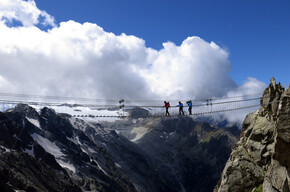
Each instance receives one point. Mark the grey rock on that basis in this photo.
(262, 156)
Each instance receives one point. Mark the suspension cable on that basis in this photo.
(114, 106)
(110, 100)
(128, 107)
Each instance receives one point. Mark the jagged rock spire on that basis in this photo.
(273, 82)
(271, 97)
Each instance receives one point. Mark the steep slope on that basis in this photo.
(141, 154)
(184, 155)
(18, 170)
(52, 140)
(261, 158)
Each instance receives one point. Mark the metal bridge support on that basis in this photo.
(122, 105)
(209, 103)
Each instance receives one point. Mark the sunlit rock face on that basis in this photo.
(261, 159)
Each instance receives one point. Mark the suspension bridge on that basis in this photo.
(115, 108)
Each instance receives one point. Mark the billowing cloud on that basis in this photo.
(73, 60)
(195, 69)
(83, 60)
(25, 12)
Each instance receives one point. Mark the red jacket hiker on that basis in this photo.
(166, 105)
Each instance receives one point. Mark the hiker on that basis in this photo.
(180, 105)
(189, 103)
(166, 105)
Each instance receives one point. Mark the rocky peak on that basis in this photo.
(26, 110)
(271, 97)
(47, 112)
(260, 161)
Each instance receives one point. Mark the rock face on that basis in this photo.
(260, 161)
(43, 151)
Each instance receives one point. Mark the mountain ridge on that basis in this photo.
(143, 154)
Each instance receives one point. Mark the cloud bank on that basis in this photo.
(83, 60)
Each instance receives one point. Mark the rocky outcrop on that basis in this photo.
(260, 161)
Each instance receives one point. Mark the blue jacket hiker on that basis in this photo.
(189, 103)
(180, 105)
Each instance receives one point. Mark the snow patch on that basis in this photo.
(6, 149)
(66, 165)
(140, 132)
(78, 124)
(49, 146)
(84, 150)
(74, 140)
(35, 122)
(91, 150)
(101, 168)
(118, 165)
(30, 151)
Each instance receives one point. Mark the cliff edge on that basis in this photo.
(260, 161)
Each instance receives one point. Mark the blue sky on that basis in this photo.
(254, 32)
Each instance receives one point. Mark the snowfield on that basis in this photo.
(49, 146)
(140, 132)
(86, 113)
(35, 122)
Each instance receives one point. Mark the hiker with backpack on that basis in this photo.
(189, 103)
(180, 105)
(166, 105)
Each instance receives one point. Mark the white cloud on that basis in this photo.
(73, 60)
(5, 85)
(83, 60)
(250, 89)
(195, 69)
(24, 11)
